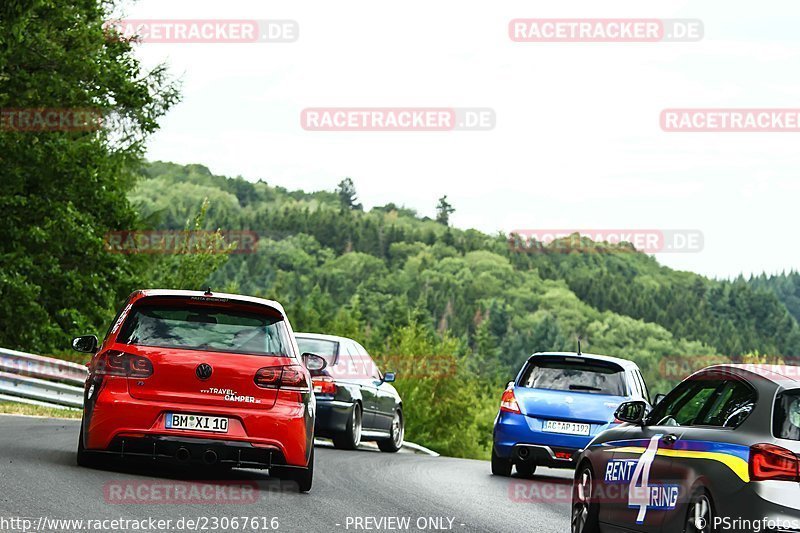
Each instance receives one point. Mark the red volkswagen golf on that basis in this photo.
(214, 379)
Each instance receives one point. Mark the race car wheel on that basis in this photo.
(500, 466)
(86, 458)
(398, 430)
(584, 511)
(526, 469)
(304, 477)
(700, 516)
(351, 437)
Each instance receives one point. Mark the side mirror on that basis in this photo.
(632, 412)
(86, 344)
(388, 377)
(658, 398)
(314, 362)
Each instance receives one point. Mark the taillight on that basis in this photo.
(289, 378)
(768, 461)
(324, 385)
(508, 402)
(114, 363)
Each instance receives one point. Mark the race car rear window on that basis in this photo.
(206, 328)
(575, 375)
(786, 423)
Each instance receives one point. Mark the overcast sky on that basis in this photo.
(577, 142)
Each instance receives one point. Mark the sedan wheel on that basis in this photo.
(351, 437)
(398, 434)
(584, 511)
(699, 518)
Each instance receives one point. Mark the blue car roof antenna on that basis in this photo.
(579, 345)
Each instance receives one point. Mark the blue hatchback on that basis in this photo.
(556, 405)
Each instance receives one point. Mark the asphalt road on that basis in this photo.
(361, 490)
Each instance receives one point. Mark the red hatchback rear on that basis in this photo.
(214, 379)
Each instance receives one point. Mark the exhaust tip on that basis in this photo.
(523, 452)
(182, 454)
(209, 457)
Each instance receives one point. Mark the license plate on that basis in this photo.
(217, 424)
(569, 428)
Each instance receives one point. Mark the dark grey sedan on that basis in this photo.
(355, 400)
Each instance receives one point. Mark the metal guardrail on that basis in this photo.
(35, 379)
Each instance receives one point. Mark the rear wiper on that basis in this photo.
(584, 387)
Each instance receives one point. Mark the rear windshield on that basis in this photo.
(786, 424)
(324, 348)
(206, 328)
(575, 375)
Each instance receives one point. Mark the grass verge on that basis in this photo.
(14, 408)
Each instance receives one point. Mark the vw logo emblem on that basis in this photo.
(203, 371)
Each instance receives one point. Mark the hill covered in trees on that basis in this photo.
(414, 287)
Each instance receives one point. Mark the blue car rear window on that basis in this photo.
(575, 375)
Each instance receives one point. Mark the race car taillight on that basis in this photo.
(290, 378)
(508, 402)
(768, 461)
(114, 363)
(324, 385)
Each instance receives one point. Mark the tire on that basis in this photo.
(585, 512)
(84, 457)
(700, 513)
(303, 477)
(351, 437)
(500, 466)
(526, 470)
(394, 444)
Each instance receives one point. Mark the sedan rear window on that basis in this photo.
(786, 423)
(576, 375)
(207, 328)
(322, 347)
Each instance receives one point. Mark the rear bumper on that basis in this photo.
(281, 435)
(332, 417)
(199, 451)
(516, 440)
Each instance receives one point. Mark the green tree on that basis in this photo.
(63, 190)
(346, 191)
(444, 210)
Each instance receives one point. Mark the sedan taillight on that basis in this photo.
(768, 461)
(121, 364)
(324, 385)
(289, 378)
